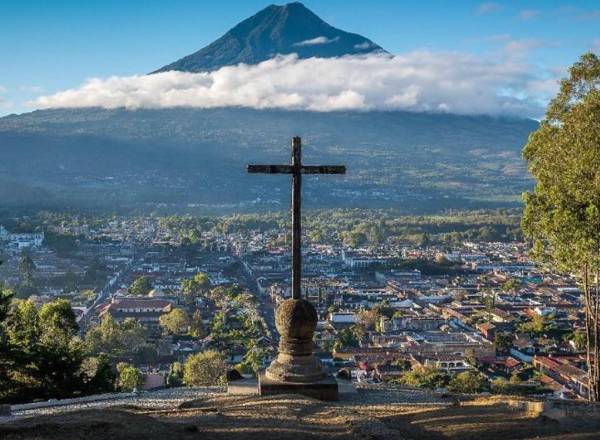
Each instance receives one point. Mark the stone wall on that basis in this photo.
(560, 410)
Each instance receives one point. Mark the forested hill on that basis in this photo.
(193, 160)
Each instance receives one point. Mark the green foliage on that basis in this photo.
(140, 286)
(42, 354)
(515, 388)
(59, 314)
(26, 269)
(63, 245)
(205, 369)
(579, 339)
(511, 285)
(425, 377)
(130, 378)
(196, 286)
(503, 342)
(346, 338)
(98, 375)
(175, 322)
(197, 325)
(562, 214)
(175, 377)
(428, 267)
(538, 325)
(468, 382)
(115, 339)
(253, 359)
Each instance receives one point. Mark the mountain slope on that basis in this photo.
(194, 160)
(291, 28)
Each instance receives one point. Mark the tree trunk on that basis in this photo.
(592, 308)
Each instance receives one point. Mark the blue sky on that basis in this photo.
(48, 46)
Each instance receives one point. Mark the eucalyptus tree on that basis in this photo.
(562, 214)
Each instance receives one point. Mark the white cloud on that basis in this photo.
(316, 41)
(529, 14)
(521, 47)
(363, 45)
(416, 81)
(489, 8)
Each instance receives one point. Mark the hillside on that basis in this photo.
(194, 160)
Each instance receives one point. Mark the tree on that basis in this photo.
(115, 338)
(562, 214)
(26, 268)
(48, 354)
(538, 324)
(425, 377)
(205, 369)
(468, 382)
(130, 378)
(253, 359)
(174, 322)
(578, 338)
(345, 338)
(59, 314)
(197, 325)
(98, 375)
(141, 286)
(175, 377)
(511, 285)
(503, 342)
(6, 355)
(196, 286)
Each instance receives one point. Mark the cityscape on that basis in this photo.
(313, 220)
(385, 304)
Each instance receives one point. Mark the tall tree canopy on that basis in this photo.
(562, 214)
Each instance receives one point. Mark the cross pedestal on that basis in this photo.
(296, 369)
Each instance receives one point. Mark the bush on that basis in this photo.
(205, 369)
(425, 377)
(175, 377)
(468, 382)
(512, 388)
(130, 378)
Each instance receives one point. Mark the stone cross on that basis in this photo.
(296, 169)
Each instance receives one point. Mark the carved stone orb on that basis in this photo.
(296, 319)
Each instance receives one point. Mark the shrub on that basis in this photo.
(130, 378)
(425, 377)
(205, 369)
(468, 382)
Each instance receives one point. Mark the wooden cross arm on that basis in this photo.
(270, 169)
(323, 169)
(289, 169)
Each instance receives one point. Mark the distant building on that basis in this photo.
(146, 311)
(21, 240)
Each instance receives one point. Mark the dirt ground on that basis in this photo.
(296, 417)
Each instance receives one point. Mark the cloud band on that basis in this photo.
(417, 81)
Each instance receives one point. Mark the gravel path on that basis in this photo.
(161, 399)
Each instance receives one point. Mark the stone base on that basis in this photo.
(325, 389)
